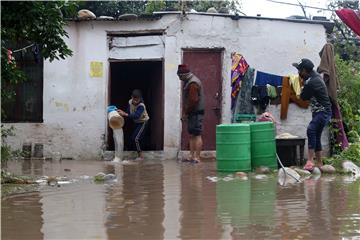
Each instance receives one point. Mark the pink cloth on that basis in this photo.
(351, 18)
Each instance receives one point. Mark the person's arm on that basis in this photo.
(307, 91)
(193, 97)
(137, 114)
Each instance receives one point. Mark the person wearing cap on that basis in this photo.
(314, 90)
(137, 112)
(193, 110)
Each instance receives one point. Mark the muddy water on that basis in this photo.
(170, 200)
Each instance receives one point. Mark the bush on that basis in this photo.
(6, 152)
(352, 154)
(348, 73)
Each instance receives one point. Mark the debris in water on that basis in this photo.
(288, 176)
(212, 179)
(241, 174)
(63, 182)
(262, 170)
(102, 177)
(228, 178)
(349, 166)
(260, 176)
(52, 181)
(85, 177)
(302, 172)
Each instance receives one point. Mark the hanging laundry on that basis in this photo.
(238, 70)
(260, 97)
(277, 100)
(295, 84)
(36, 51)
(337, 123)
(10, 57)
(243, 102)
(327, 68)
(287, 95)
(271, 91)
(263, 78)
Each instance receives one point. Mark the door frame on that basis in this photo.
(108, 94)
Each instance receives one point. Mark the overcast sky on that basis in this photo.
(276, 10)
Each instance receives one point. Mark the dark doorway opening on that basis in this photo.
(148, 77)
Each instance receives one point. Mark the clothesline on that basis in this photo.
(21, 49)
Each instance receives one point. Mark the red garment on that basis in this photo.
(194, 90)
(351, 18)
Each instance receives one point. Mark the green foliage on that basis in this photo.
(117, 7)
(153, 5)
(25, 23)
(352, 154)
(348, 73)
(113, 8)
(6, 153)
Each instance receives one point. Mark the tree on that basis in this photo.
(118, 7)
(24, 25)
(346, 42)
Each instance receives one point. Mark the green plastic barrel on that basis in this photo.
(263, 146)
(233, 151)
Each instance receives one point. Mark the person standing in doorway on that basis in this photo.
(314, 90)
(193, 110)
(137, 112)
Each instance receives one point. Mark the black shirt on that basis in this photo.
(315, 90)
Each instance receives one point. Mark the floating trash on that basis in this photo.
(212, 179)
(260, 176)
(349, 166)
(288, 176)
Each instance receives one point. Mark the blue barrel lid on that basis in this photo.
(111, 108)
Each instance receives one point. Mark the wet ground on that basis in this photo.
(171, 200)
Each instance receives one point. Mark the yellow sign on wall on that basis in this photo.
(96, 69)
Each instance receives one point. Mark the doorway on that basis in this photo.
(125, 76)
(206, 64)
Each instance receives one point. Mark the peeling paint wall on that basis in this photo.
(75, 103)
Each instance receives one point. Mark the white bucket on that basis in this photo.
(115, 120)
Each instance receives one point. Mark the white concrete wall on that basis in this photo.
(75, 103)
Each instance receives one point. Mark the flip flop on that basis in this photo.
(194, 161)
(309, 167)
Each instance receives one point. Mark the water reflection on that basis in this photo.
(197, 203)
(135, 207)
(21, 217)
(169, 200)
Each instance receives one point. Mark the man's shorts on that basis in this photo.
(195, 124)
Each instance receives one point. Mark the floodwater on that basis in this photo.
(171, 200)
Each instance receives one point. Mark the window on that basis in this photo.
(28, 103)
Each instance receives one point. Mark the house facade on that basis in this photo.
(112, 57)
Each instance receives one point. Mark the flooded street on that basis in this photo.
(171, 200)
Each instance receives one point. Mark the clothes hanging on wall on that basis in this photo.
(238, 70)
(337, 123)
(295, 84)
(327, 68)
(263, 78)
(243, 103)
(287, 95)
(271, 91)
(260, 97)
